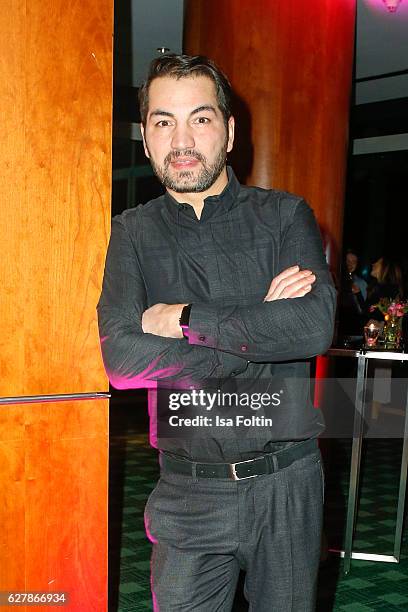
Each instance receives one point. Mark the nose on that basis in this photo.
(182, 137)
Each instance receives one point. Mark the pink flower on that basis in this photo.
(390, 307)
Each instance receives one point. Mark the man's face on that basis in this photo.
(185, 136)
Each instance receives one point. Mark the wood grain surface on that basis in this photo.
(55, 185)
(53, 500)
(291, 65)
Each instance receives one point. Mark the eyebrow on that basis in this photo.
(199, 109)
(161, 112)
(204, 107)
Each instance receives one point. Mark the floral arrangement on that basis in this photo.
(391, 307)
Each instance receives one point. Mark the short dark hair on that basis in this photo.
(181, 66)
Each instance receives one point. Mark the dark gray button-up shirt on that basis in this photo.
(223, 265)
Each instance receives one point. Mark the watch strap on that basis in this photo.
(184, 320)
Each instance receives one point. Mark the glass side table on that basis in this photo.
(363, 357)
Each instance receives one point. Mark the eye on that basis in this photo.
(163, 123)
(202, 120)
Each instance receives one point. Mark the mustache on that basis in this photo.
(173, 155)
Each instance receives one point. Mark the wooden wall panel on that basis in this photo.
(55, 158)
(55, 184)
(53, 500)
(12, 516)
(12, 182)
(291, 65)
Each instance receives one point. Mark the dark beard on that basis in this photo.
(185, 182)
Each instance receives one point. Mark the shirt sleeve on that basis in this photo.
(284, 329)
(132, 358)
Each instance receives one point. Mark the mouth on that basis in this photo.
(183, 163)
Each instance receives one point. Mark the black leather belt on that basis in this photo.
(265, 464)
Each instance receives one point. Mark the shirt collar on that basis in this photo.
(214, 206)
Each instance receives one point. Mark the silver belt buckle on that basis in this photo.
(234, 474)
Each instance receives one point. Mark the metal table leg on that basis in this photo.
(355, 460)
(402, 490)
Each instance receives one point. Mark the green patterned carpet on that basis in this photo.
(370, 586)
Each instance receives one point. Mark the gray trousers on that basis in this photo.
(205, 530)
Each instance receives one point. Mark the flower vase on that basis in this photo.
(392, 332)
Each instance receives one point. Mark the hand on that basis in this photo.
(291, 283)
(163, 320)
(355, 288)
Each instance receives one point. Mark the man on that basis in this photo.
(214, 281)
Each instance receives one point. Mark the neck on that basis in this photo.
(196, 200)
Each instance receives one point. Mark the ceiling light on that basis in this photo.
(392, 5)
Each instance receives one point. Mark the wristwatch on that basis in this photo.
(184, 320)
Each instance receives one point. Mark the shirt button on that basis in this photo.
(201, 338)
(244, 348)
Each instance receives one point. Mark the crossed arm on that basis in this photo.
(134, 358)
(141, 344)
(163, 319)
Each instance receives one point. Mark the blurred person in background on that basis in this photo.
(352, 299)
(388, 282)
(358, 284)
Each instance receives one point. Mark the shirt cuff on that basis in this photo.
(203, 326)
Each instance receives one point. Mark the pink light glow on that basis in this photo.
(148, 532)
(392, 5)
(386, 7)
(152, 410)
(154, 597)
(146, 379)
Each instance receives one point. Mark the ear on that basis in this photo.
(231, 130)
(146, 150)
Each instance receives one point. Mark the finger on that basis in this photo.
(292, 290)
(287, 288)
(300, 292)
(284, 274)
(287, 272)
(295, 281)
